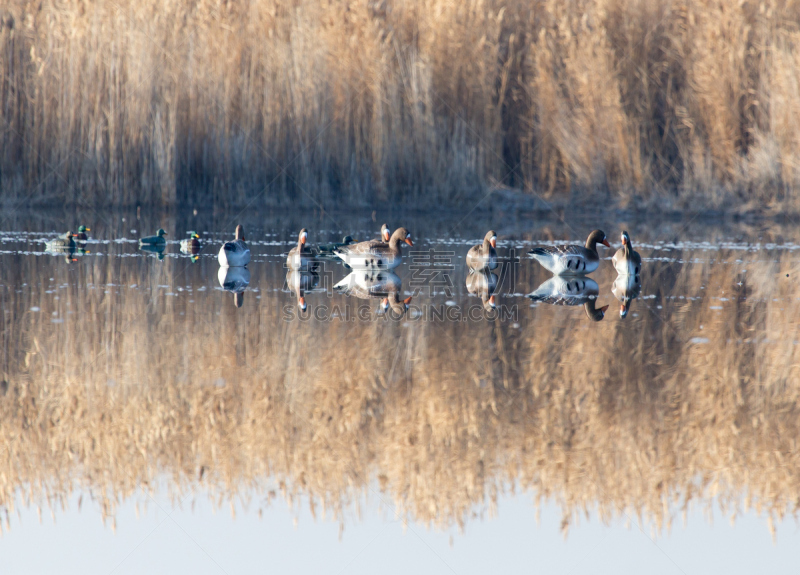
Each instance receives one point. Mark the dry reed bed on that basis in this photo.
(672, 102)
(616, 417)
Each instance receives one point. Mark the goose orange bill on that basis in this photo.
(409, 242)
(608, 245)
(493, 241)
(405, 301)
(604, 308)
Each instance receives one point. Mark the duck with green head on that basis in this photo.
(81, 235)
(155, 240)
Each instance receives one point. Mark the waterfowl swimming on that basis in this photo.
(155, 240)
(328, 249)
(571, 259)
(375, 253)
(626, 288)
(627, 261)
(301, 256)
(191, 243)
(64, 242)
(81, 235)
(385, 233)
(483, 284)
(483, 256)
(235, 253)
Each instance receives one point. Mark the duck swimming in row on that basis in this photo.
(191, 243)
(81, 235)
(155, 240)
(376, 254)
(328, 249)
(64, 242)
(301, 256)
(571, 259)
(235, 253)
(627, 261)
(483, 256)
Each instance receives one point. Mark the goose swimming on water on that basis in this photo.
(235, 253)
(571, 259)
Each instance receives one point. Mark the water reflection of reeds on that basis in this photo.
(644, 416)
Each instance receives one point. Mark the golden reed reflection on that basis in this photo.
(688, 401)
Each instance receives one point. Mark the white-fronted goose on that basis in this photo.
(385, 233)
(301, 256)
(571, 259)
(235, 253)
(627, 261)
(626, 288)
(483, 256)
(375, 254)
(483, 284)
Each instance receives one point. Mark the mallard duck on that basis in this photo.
(64, 242)
(483, 284)
(301, 256)
(191, 244)
(627, 261)
(155, 240)
(328, 249)
(483, 256)
(81, 235)
(235, 253)
(375, 253)
(571, 259)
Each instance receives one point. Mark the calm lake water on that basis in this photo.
(139, 389)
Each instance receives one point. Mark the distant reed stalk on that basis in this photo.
(660, 102)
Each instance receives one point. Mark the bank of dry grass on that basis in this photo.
(125, 102)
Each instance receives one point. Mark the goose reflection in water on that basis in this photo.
(483, 284)
(299, 282)
(234, 280)
(626, 288)
(369, 284)
(572, 291)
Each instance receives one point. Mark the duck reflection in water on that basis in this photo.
(234, 280)
(626, 288)
(156, 249)
(483, 284)
(299, 282)
(370, 284)
(572, 291)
